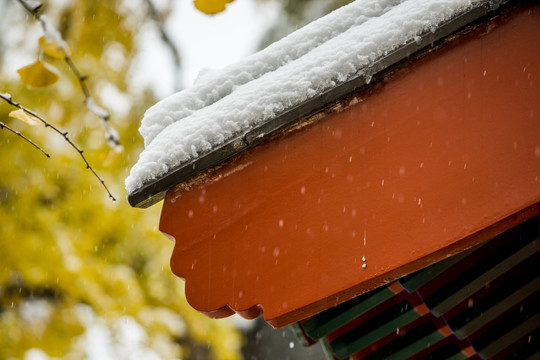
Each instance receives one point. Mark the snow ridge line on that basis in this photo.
(211, 85)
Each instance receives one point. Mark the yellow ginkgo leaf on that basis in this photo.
(24, 117)
(57, 49)
(38, 74)
(211, 6)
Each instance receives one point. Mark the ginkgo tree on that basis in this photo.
(74, 266)
(41, 74)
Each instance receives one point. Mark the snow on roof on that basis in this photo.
(225, 104)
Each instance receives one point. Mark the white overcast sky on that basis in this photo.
(204, 41)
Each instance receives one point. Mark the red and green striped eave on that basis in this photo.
(483, 303)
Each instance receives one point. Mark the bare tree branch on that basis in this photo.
(10, 101)
(31, 5)
(111, 135)
(156, 17)
(18, 133)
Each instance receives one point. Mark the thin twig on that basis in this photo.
(80, 77)
(64, 134)
(31, 6)
(18, 133)
(111, 135)
(157, 18)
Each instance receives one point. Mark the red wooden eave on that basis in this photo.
(438, 157)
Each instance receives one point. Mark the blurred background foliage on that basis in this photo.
(73, 263)
(78, 271)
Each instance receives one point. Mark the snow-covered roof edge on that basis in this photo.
(151, 190)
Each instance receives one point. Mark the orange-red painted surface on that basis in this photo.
(437, 158)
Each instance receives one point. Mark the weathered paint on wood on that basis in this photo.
(437, 158)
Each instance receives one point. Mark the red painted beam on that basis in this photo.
(437, 158)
